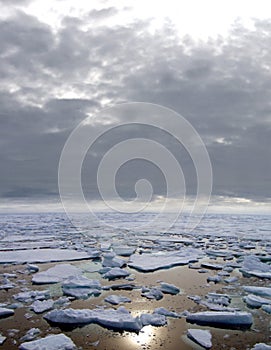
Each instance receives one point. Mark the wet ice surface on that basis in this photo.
(96, 268)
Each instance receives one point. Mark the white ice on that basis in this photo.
(116, 272)
(117, 299)
(201, 337)
(168, 288)
(252, 266)
(41, 255)
(256, 301)
(4, 312)
(232, 320)
(56, 274)
(155, 261)
(51, 342)
(40, 306)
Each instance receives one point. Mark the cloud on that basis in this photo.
(51, 80)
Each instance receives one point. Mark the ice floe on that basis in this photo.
(161, 260)
(81, 287)
(256, 301)
(232, 320)
(252, 266)
(51, 342)
(56, 274)
(4, 312)
(120, 319)
(41, 306)
(201, 337)
(31, 334)
(261, 291)
(117, 299)
(261, 346)
(116, 272)
(168, 288)
(41, 255)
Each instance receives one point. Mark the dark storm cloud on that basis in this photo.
(222, 87)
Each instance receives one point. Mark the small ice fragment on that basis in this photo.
(152, 293)
(41, 306)
(169, 288)
(110, 260)
(261, 291)
(201, 337)
(32, 268)
(231, 279)
(261, 346)
(123, 250)
(31, 334)
(51, 342)
(165, 312)
(212, 266)
(2, 339)
(116, 272)
(4, 312)
(117, 299)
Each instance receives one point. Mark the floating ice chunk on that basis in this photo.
(231, 279)
(152, 293)
(41, 255)
(232, 320)
(201, 337)
(165, 312)
(51, 342)
(256, 301)
(169, 288)
(110, 260)
(32, 268)
(81, 287)
(261, 346)
(41, 306)
(7, 284)
(267, 308)
(252, 266)
(27, 297)
(212, 266)
(155, 261)
(116, 272)
(2, 339)
(120, 319)
(117, 299)
(154, 319)
(4, 312)
(261, 291)
(56, 274)
(31, 334)
(124, 286)
(124, 251)
(215, 279)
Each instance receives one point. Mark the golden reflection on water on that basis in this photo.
(144, 337)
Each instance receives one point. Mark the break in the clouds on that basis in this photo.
(53, 78)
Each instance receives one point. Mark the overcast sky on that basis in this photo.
(62, 60)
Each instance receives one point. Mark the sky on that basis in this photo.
(63, 60)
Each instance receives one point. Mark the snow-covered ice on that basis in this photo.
(201, 337)
(51, 342)
(261, 346)
(154, 319)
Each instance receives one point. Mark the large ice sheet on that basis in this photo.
(119, 319)
(155, 261)
(41, 255)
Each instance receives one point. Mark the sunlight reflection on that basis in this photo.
(145, 336)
